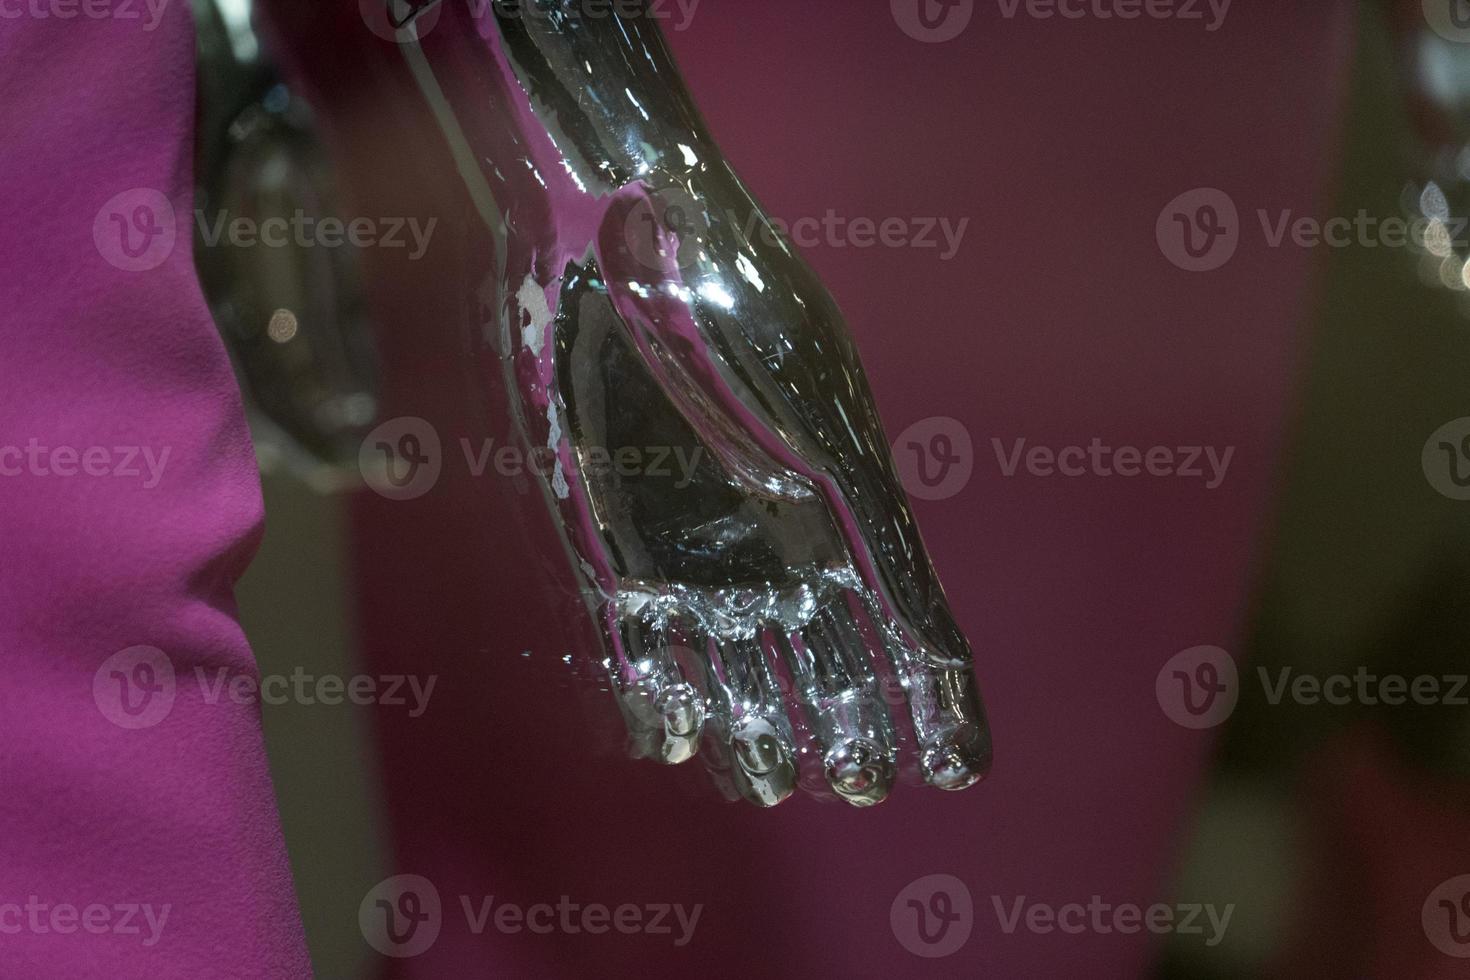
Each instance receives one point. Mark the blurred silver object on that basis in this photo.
(1434, 64)
(290, 309)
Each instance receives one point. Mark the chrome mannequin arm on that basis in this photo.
(647, 301)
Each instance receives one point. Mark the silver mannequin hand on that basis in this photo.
(646, 301)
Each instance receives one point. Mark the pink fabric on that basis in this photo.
(178, 816)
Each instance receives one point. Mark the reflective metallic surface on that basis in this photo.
(722, 480)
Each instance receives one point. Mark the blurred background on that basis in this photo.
(1339, 548)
